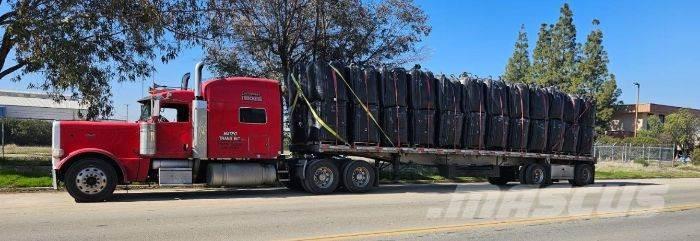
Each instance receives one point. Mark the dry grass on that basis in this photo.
(614, 170)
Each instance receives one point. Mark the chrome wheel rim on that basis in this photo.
(537, 176)
(91, 180)
(323, 177)
(360, 177)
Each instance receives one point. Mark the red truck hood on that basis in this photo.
(119, 139)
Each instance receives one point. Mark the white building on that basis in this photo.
(28, 105)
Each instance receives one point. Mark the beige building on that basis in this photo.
(622, 123)
(38, 106)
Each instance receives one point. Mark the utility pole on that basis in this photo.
(127, 112)
(636, 111)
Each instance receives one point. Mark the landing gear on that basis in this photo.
(91, 180)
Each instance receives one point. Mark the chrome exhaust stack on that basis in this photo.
(199, 117)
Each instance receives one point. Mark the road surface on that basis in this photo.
(655, 209)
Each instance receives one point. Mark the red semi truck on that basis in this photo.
(228, 132)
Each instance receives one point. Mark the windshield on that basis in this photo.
(145, 110)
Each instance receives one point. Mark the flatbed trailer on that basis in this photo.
(499, 166)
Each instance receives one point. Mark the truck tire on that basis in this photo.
(321, 177)
(583, 174)
(91, 180)
(500, 181)
(521, 174)
(536, 174)
(358, 176)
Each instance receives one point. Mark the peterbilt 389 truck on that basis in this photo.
(229, 132)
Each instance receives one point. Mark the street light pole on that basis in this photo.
(636, 111)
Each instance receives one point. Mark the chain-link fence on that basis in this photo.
(629, 153)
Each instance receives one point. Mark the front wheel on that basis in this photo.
(358, 176)
(91, 180)
(321, 177)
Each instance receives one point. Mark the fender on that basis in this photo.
(78, 152)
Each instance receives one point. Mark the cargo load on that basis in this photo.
(572, 109)
(450, 129)
(474, 98)
(557, 104)
(393, 89)
(539, 103)
(496, 98)
(519, 101)
(422, 125)
(497, 132)
(571, 134)
(555, 139)
(449, 97)
(518, 134)
(365, 84)
(364, 130)
(422, 88)
(537, 140)
(585, 143)
(395, 125)
(299, 124)
(335, 116)
(587, 114)
(326, 82)
(474, 130)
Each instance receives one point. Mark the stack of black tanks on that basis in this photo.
(317, 90)
(395, 107)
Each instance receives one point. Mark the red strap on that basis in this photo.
(337, 112)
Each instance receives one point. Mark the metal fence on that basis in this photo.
(629, 153)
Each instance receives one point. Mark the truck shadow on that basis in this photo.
(281, 192)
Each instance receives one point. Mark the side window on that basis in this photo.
(175, 113)
(252, 115)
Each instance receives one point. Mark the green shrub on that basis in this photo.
(642, 162)
(695, 157)
(27, 132)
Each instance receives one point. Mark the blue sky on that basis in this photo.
(656, 43)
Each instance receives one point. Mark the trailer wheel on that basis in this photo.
(583, 174)
(358, 176)
(536, 174)
(521, 173)
(321, 177)
(91, 180)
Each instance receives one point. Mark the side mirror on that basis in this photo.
(155, 107)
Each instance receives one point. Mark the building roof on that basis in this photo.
(21, 98)
(652, 108)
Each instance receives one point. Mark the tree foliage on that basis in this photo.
(518, 67)
(682, 127)
(79, 46)
(558, 60)
(268, 37)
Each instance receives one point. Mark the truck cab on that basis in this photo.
(219, 132)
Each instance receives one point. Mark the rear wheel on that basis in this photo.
(321, 177)
(91, 180)
(583, 174)
(536, 174)
(358, 176)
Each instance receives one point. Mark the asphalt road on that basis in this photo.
(656, 209)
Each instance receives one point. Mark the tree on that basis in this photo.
(605, 101)
(654, 131)
(563, 59)
(518, 67)
(593, 70)
(268, 37)
(540, 57)
(682, 126)
(80, 46)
